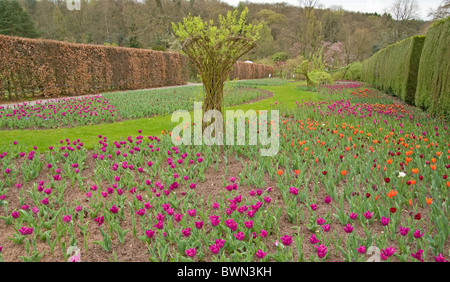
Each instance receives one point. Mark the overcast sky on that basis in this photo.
(365, 6)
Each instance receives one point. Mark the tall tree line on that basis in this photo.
(298, 30)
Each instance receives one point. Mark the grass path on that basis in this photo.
(284, 95)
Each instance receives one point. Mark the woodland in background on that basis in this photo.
(294, 31)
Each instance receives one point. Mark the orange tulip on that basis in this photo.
(343, 172)
(392, 193)
(448, 183)
(438, 154)
(297, 171)
(433, 160)
(389, 161)
(415, 170)
(429, 201)
(410, 202)
(280, 172)
(433, 167)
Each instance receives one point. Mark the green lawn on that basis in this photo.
(285, 95)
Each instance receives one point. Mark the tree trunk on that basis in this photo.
(213, 101)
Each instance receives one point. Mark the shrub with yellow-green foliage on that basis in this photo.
(433, 84)
(354, 71)
(394, 69)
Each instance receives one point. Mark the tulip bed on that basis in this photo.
(112, 107)
(358, 177)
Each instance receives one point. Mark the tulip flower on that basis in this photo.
(348, 228)
(326, 227)
(150, 233)
(240, 236)
(114, 209)
(286, 240)
(313, 239)
(321, 250)
(417, 234)
(263, 233)
(260, 254)
(368, 215)
(186, 232)
(418, 255)
(440, 258)
(220, 242)
(191, 252)
(320, 221)
(192, 212)
(67, 218)
(361, 249)
(199, 224)
(214, 249)
(26, 231)
(417, 216)
(248, 224)
(404, 231)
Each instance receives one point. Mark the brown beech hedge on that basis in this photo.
(48, 68)
(242, 70)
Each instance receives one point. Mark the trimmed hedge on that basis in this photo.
(50, 68)
(242, 70)
(394, 69)
(433, 87)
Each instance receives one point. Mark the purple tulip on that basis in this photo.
(417, 234)
(313, 239)
(260, 254)
(320, 221)
(149, 233)
(321, 250)
(191, 252)
(361, 249)
(240, 236)
(186, 232)
(114, 209)
(214, 249)
(348, 228)
(404, 231)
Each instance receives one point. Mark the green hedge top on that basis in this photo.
(394, 68)
(433, 85)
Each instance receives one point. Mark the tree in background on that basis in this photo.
(403, 11)
(266, 46)
(441, 12)
(14, 21)
(310, 32)
(214, 50)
